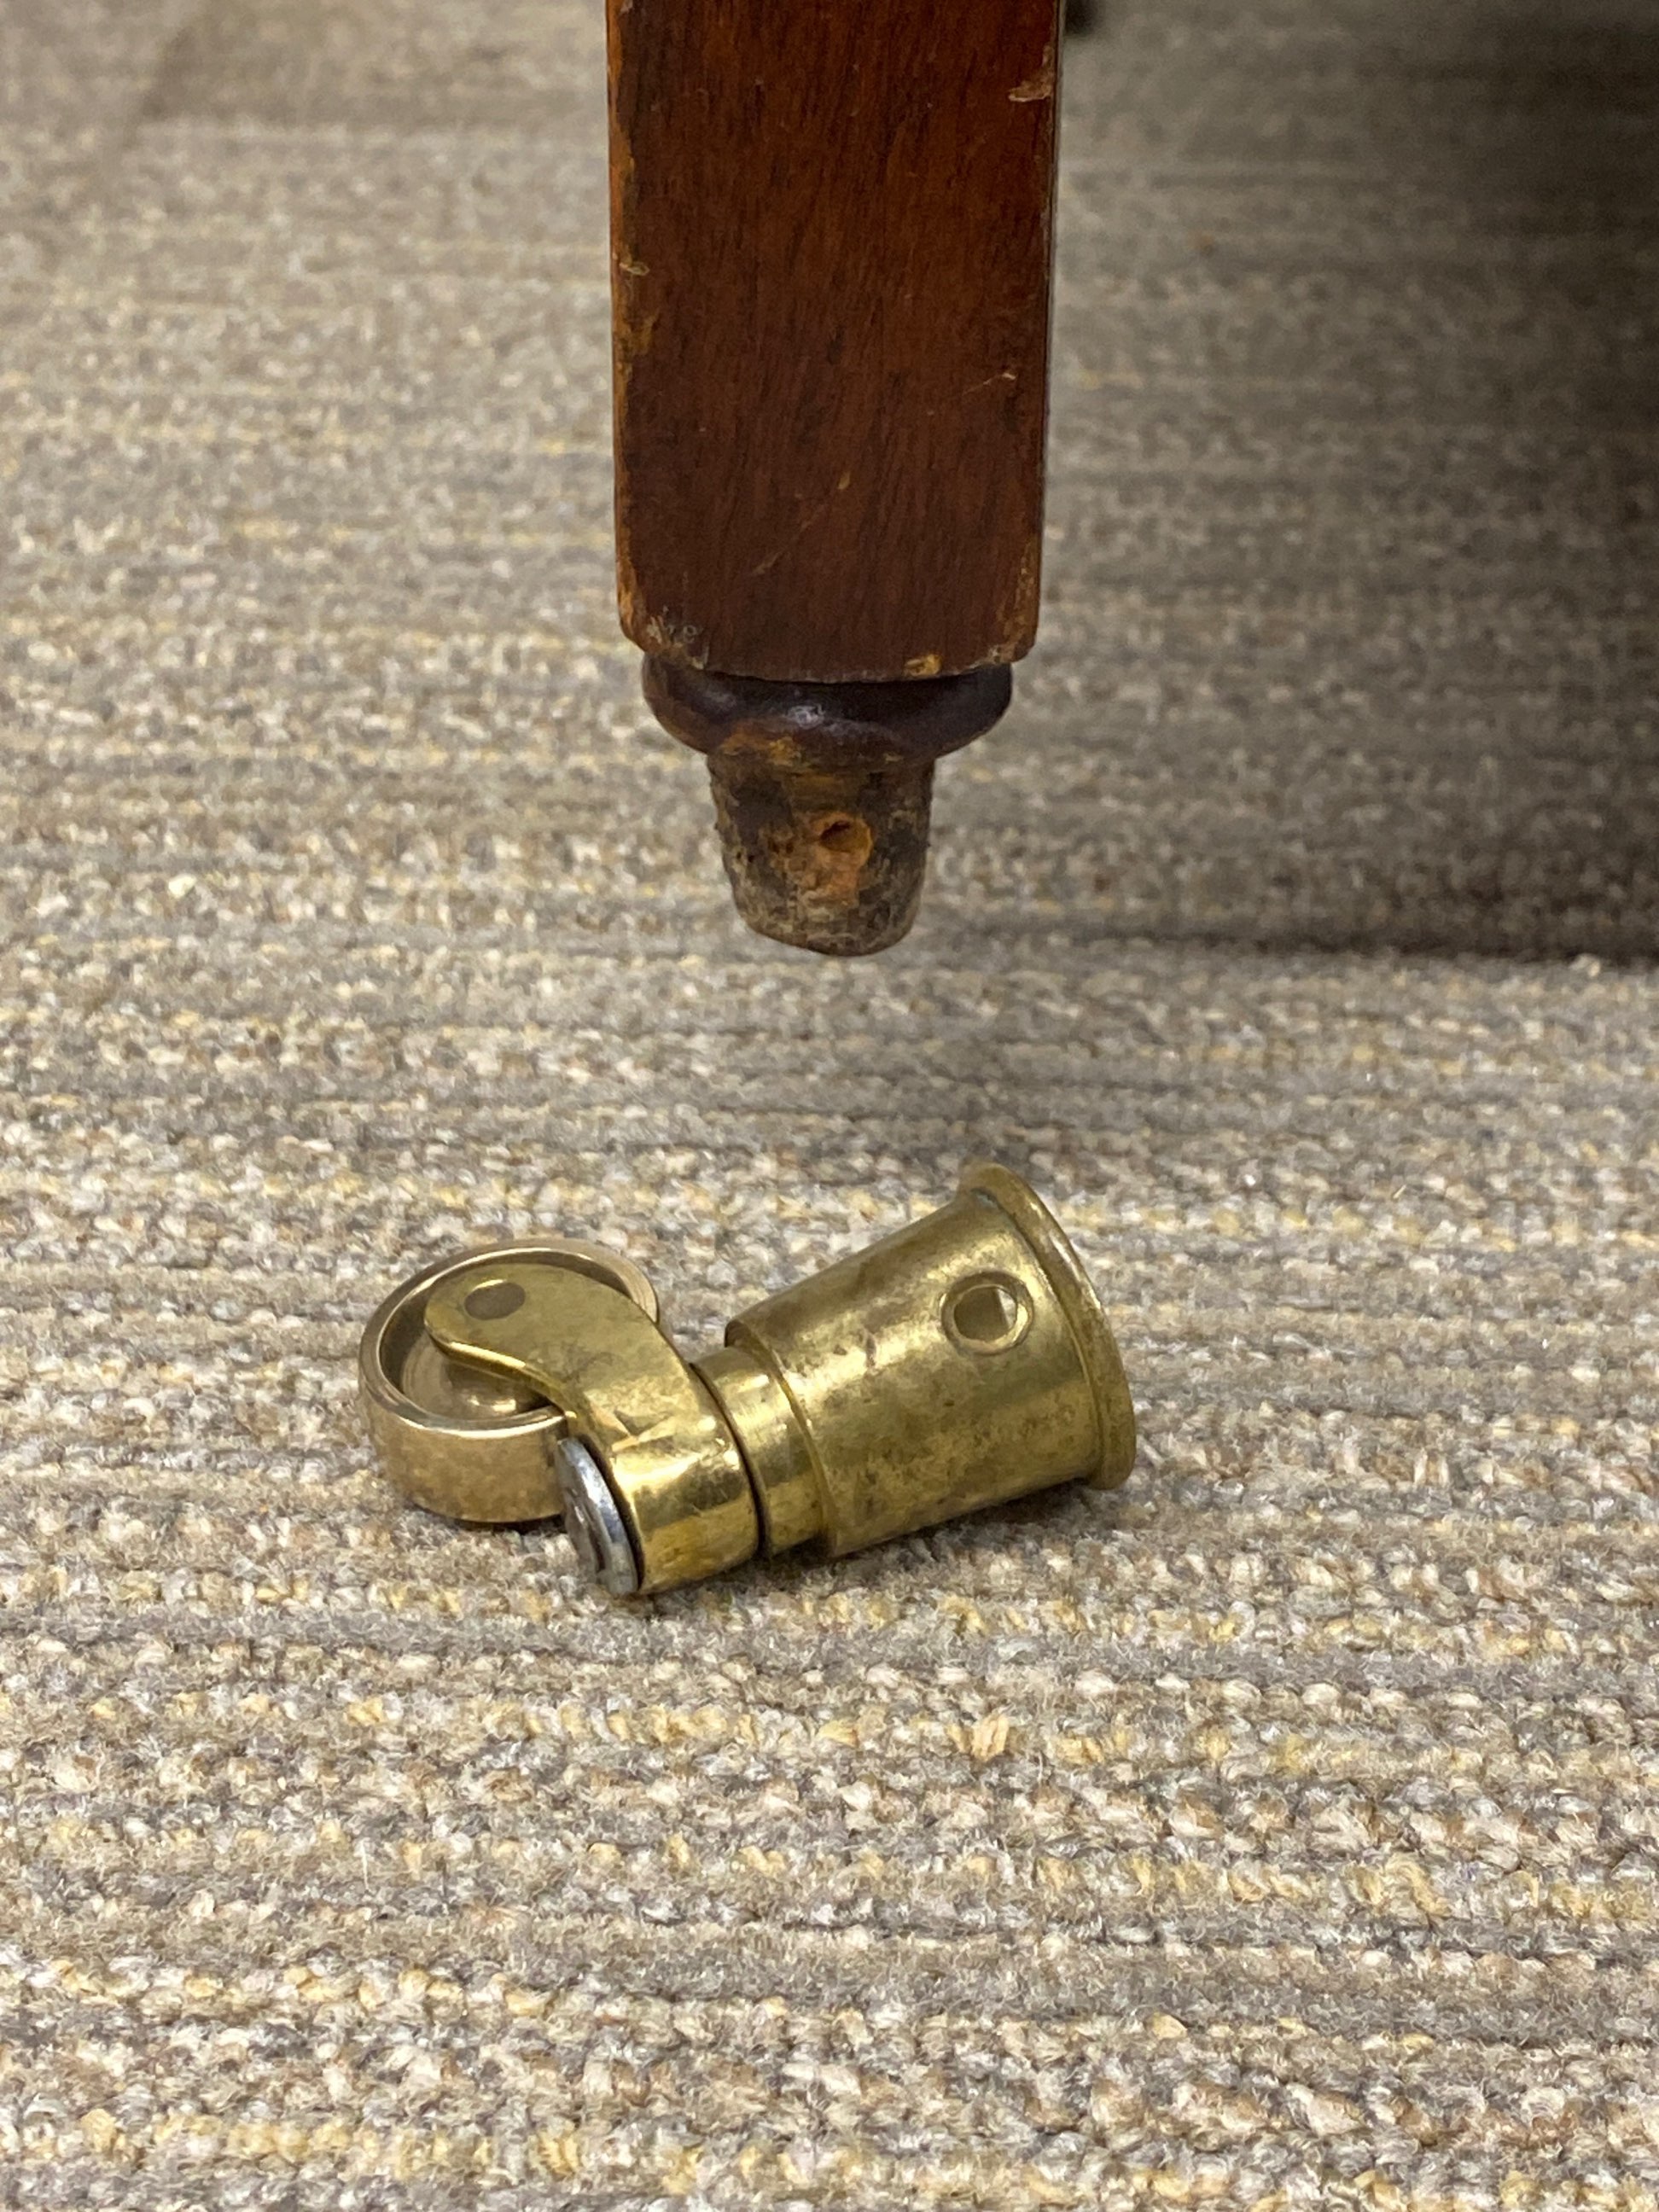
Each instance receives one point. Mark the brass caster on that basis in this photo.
(962, 1362)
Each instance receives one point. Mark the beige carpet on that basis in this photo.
(1282, 1832)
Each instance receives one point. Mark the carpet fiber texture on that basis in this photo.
(1283, 1831)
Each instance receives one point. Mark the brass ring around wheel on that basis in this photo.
(456, 1439)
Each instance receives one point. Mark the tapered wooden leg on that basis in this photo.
(831, 243)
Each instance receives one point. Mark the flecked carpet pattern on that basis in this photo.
(1281, 1832)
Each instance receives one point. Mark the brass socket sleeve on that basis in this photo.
(961, 1362)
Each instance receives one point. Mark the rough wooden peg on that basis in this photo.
(831, 244)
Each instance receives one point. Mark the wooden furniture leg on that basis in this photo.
(830, 245)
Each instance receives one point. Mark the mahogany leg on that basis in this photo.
(831, 229)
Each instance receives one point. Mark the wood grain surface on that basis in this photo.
(830, 255)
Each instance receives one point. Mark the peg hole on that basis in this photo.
(987, 1313)
(844, 838)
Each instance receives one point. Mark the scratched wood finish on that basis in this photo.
(831, 224)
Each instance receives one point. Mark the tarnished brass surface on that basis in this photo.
(775, 1446)
(961, 1362)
